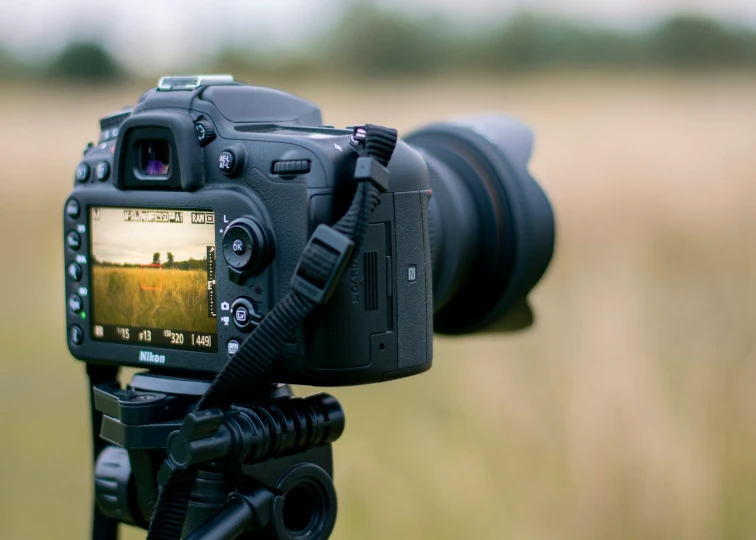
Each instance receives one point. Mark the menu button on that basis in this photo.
(73, 240)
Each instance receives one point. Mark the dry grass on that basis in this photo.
(153, 298)
(627, 412)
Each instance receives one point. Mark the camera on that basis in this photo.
(188, 217)
(224, 239)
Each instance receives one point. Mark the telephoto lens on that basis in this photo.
(491, 226)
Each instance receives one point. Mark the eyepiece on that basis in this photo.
(154, 158)
(491, 225)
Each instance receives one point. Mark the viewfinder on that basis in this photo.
(155, 158)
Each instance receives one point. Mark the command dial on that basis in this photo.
(247, 246)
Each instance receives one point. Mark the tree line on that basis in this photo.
(169, 263)
(369, 41)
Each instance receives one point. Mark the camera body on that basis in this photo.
(187, 221)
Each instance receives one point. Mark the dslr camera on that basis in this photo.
(197, 217)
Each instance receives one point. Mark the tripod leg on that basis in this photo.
(242, 512)
(103, 527)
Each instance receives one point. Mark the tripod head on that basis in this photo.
(261, 469)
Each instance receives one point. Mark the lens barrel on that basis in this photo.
(491, 226)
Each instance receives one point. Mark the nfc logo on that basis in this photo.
(412, 272)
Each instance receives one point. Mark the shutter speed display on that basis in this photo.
(153, 277)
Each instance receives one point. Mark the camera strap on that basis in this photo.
(324, 260)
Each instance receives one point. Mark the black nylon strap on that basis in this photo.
(247, 368)
(170, 510)
(103, 527)
(317, 264)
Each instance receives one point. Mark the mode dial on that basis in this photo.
(247, 247)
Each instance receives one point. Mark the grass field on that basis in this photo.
(627, 412)
(152, 298)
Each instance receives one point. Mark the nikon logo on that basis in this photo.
(151, 358)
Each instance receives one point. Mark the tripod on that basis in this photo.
(262, 469)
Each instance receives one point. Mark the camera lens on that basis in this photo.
(154, 158)
(491, 226)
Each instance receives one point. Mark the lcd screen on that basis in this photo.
(153, 277)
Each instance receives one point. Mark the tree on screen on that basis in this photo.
(156, 258)
(169, 256)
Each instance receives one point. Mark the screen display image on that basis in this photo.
(153, 277)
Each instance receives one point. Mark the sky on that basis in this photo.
(117, 241)
(149, 35)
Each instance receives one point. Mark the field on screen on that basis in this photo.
(151, 297)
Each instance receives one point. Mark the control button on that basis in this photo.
(291, 167)
(232, 347)
(74, 271)
(75, 334)
(73, 240)
(231, 160)
(102, 171)
(238, 246)
(82, 172)
(73, 209)
(74, 303)
(241, 315)
(247, 246)
(205, 132)
(245, 315)
(226, 162)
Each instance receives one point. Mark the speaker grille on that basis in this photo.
(371, 280)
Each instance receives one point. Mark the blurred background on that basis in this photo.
(627, 412)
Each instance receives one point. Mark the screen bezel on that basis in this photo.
(227, 205)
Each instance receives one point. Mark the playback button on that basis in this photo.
(73, 208)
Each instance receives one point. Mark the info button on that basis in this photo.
(75, 335)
